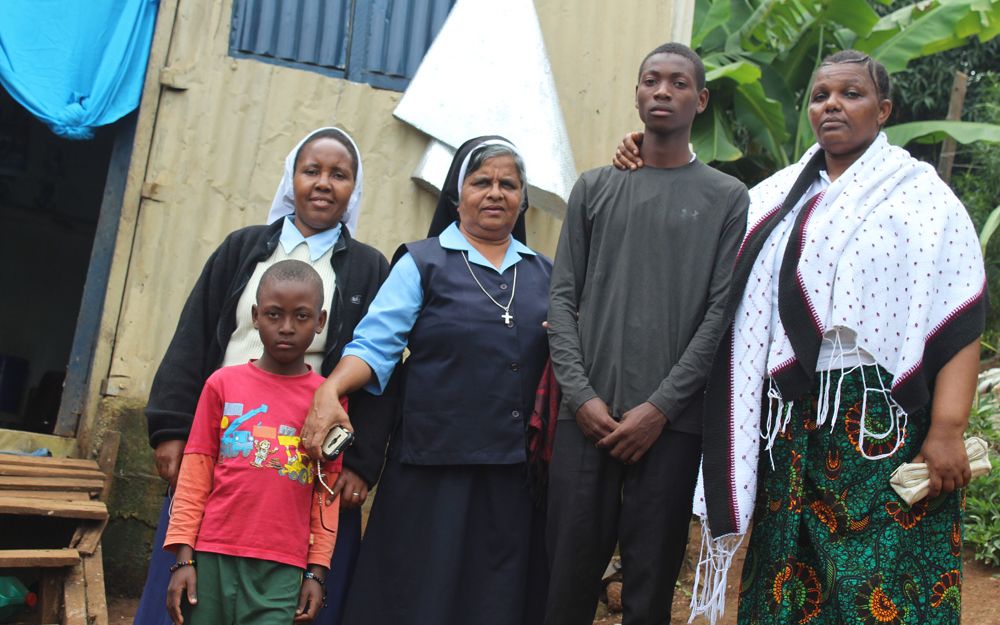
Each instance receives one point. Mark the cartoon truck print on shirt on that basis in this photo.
(235, 441)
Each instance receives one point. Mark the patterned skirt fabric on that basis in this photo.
(832, 542)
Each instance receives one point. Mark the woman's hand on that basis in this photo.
(324, 413)
(639, 429)
(947, 462)
(594, 419)
(310, 596)
(183, 580)
(627, 154)
(944, 448)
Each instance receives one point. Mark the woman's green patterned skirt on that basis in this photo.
(832, 543)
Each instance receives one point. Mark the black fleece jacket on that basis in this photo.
(209, 319)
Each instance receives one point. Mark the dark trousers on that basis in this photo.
(594, 501)
(152, 608)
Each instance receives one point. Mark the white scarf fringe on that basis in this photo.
(708, 596)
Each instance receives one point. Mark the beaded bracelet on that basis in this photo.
(315, 578)
(180, 564)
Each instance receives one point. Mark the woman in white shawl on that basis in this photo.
(859, 299)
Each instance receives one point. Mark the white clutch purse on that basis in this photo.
(910, 479)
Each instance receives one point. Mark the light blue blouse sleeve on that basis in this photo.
(381, 336)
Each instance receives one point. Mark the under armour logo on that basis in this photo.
(355, 299)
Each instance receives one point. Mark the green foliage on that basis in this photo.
(760, 56)
(982, 511)
(976, 182)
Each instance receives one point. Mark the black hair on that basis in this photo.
(680, 50)
(336, 135)
(292, 270)
(877, 71)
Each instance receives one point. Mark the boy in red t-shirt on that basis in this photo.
(246, 501)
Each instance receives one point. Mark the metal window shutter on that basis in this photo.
(399, 34)
(313, 32)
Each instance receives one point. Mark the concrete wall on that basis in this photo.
(216, 145)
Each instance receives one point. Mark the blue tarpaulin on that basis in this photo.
(75, 64)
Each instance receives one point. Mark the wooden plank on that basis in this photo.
(87, 537)
(75, 597)
(107, 458)
(50, 508)
(47, 461)
(97, 601)
(38, 558)
(30, 471)
(955, 104)
(61, 495)
(114, 298)
(50, 595)
(21, 482)
(16, 440)
(88, 321)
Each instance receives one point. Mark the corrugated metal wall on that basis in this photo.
(224, 126)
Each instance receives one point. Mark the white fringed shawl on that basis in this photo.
(887, 251)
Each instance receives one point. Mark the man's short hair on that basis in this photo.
(680, 50)
(294, 270)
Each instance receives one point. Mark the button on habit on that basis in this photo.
(513, 366)
(503, 287)
(516, 414)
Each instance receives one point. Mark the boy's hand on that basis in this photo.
(311, 596)
(594, 419)
(627, 154)
(639, 429)
(182, 580)
(168, 456)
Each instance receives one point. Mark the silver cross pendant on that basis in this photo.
(508, 319)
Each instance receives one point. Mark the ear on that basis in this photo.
(321, 322)
(702, 100)
(253, 315)
(884, 111)
(635, 100)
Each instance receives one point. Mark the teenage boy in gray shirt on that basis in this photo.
(636, 312)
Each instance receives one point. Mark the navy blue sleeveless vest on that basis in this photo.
(469, 382)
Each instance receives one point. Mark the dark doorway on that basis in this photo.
(51, 193)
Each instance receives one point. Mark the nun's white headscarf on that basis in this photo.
(284, 198)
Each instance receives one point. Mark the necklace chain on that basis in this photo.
(506, 316)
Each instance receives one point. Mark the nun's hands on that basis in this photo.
(167, 456)
(627, 154)
(638, 430)
(324, 413)
(353, 490)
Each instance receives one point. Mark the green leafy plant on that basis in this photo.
(976, 182)
(760, 56)
(982, 504)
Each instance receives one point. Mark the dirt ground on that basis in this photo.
(980, 596)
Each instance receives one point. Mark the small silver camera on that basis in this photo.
(338, 439)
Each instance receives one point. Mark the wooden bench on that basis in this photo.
(73, 490)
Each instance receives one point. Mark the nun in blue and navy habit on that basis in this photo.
(455, 535)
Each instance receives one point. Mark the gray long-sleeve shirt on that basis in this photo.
(639, 285)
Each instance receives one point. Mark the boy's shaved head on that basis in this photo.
(294, 270)
(680, 50)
